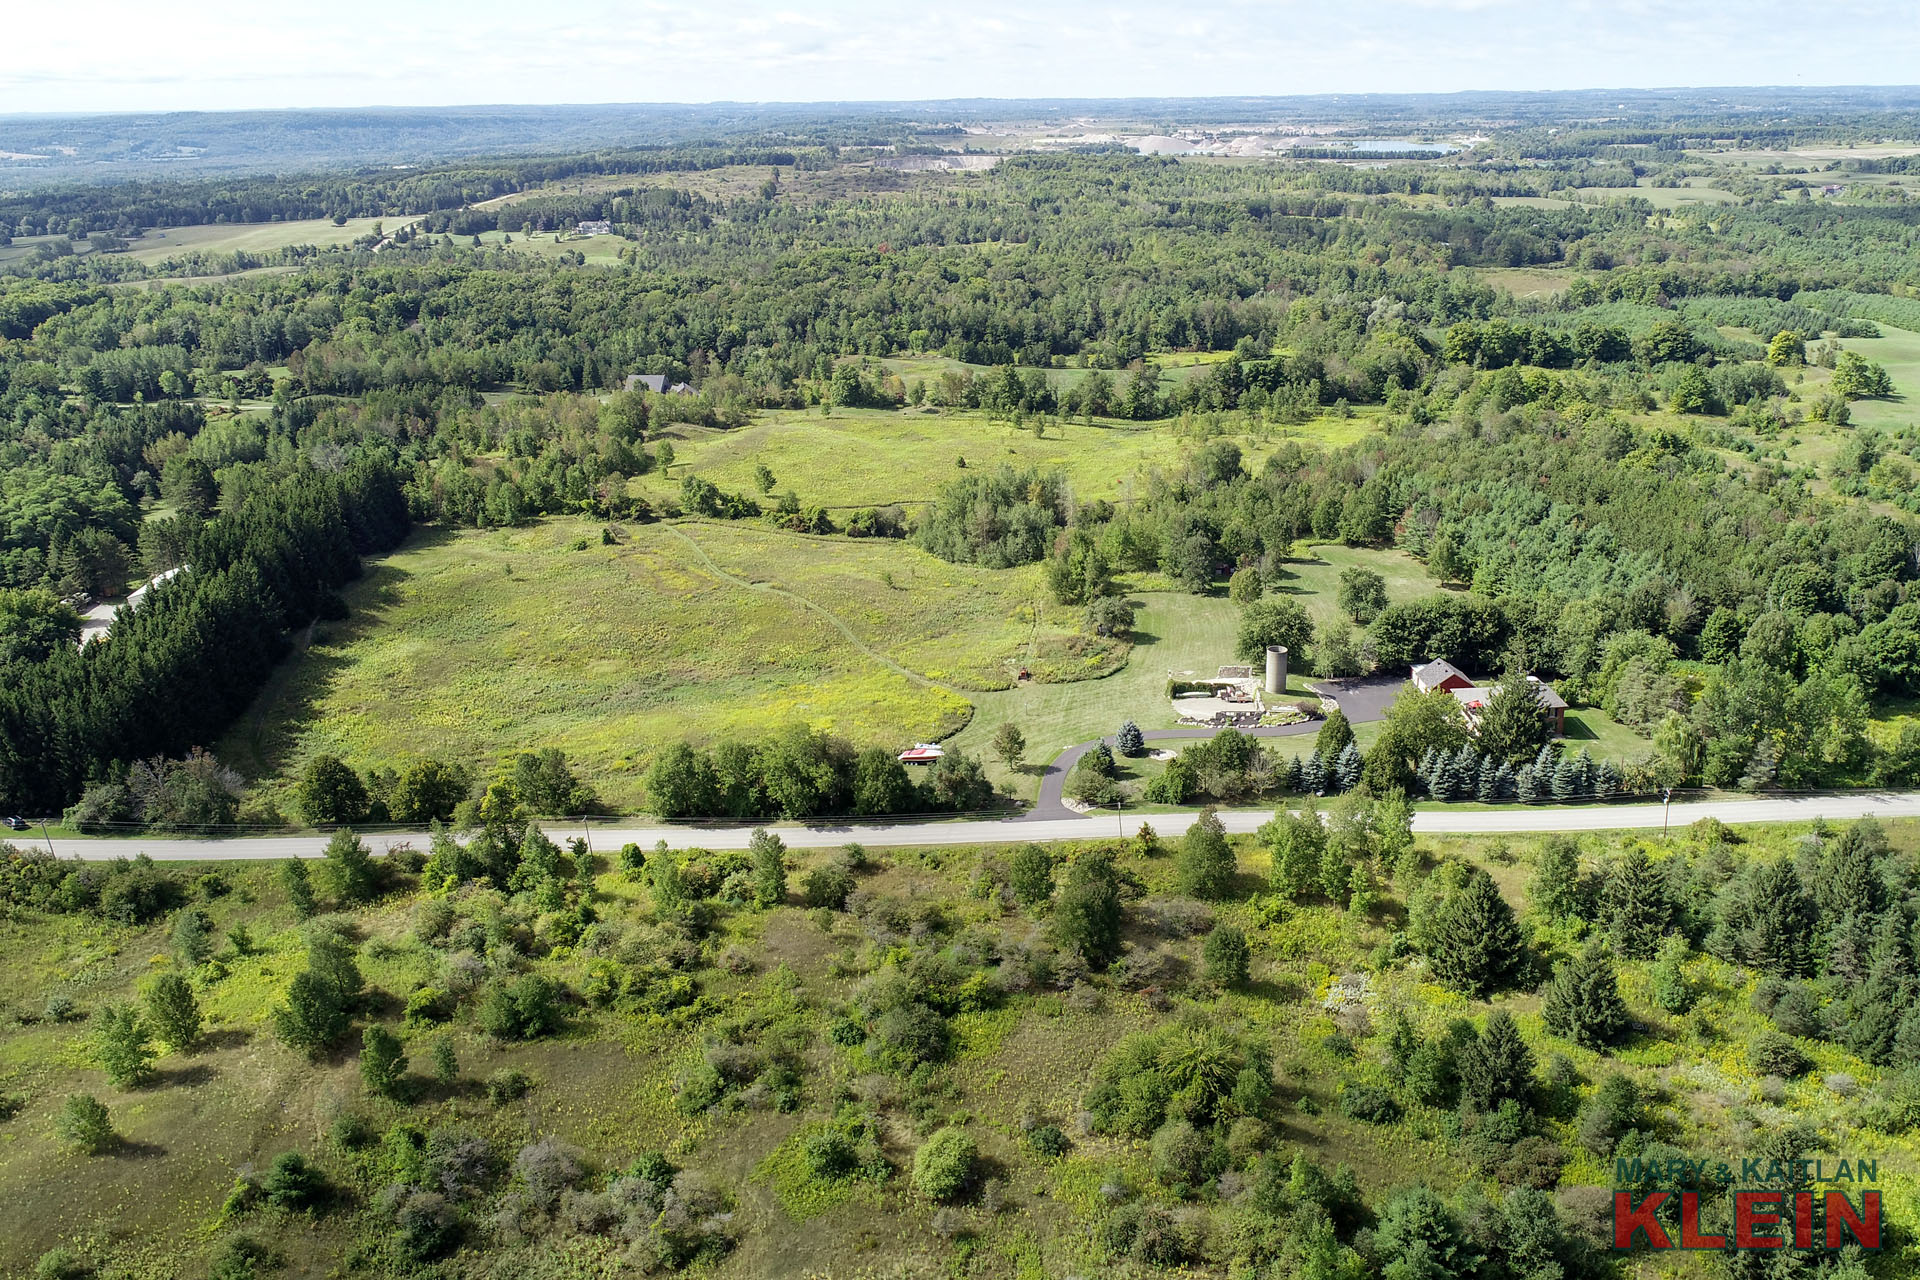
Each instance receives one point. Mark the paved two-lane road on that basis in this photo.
(1517, 819)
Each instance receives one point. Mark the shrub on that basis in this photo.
(120, 1046)
(241, 1258)
(1031, 875)
(509, 1084)
(1369, 1103)
(60, 1264)
(293, 1182)
(85, 1124)
(1772, 1054)
(524, 1009)
(1048, 1140)
(1204, 867)
(383, 1062)
(1178, 1154)
(827, 886)
(943, 1164)
(1224, 955)
(831, 1154)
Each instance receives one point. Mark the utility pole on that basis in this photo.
(47, 838)
(1119, 823)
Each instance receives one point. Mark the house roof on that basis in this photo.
(1480, 695)
(1430, 675)
(654, 382)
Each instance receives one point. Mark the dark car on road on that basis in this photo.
(16, 824)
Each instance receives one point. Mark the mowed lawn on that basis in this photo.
(1899, 351)
(1177, 634)
(470, 646)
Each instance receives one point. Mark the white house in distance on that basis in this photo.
(657, 383)
(1441, 674)
(594, 227)
(96, 622)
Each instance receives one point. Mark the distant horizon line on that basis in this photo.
(969, 102)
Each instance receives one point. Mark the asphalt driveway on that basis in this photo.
(1362, 698)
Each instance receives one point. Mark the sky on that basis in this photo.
(116, 55)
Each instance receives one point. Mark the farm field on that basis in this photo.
(472, 646)
(872, 457)
(1665, 197)
(161, 243)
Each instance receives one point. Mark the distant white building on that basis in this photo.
(96, 622)
(595, 227)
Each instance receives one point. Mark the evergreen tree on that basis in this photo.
(1526, 785)
(1130, 741)
(1347, 767)
(1891, 958)
(173, 1010)
(1583, 1001)
(1486, 787)
(1545, 761)
(1224, 956)
(1335, 735)
(1780, 923)
(1466, 764)
(193, 935)
(1497, 1066)
(1506, 782)
(1583, 769)
(350, 865)
(1846, 875)
(1205, 866)
(446, 1064)
(1636, 908)
(1606, 780)
(1313, 776)
(120, 1046)
(1391, 823)
(1851, 946)
(1427, 770)
(1289, 776)
(1671, 990)
(1566, 779)
(383, 1062)
(768, 852)
(1426, 1239)
(1477, 946)
(1514, 723)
